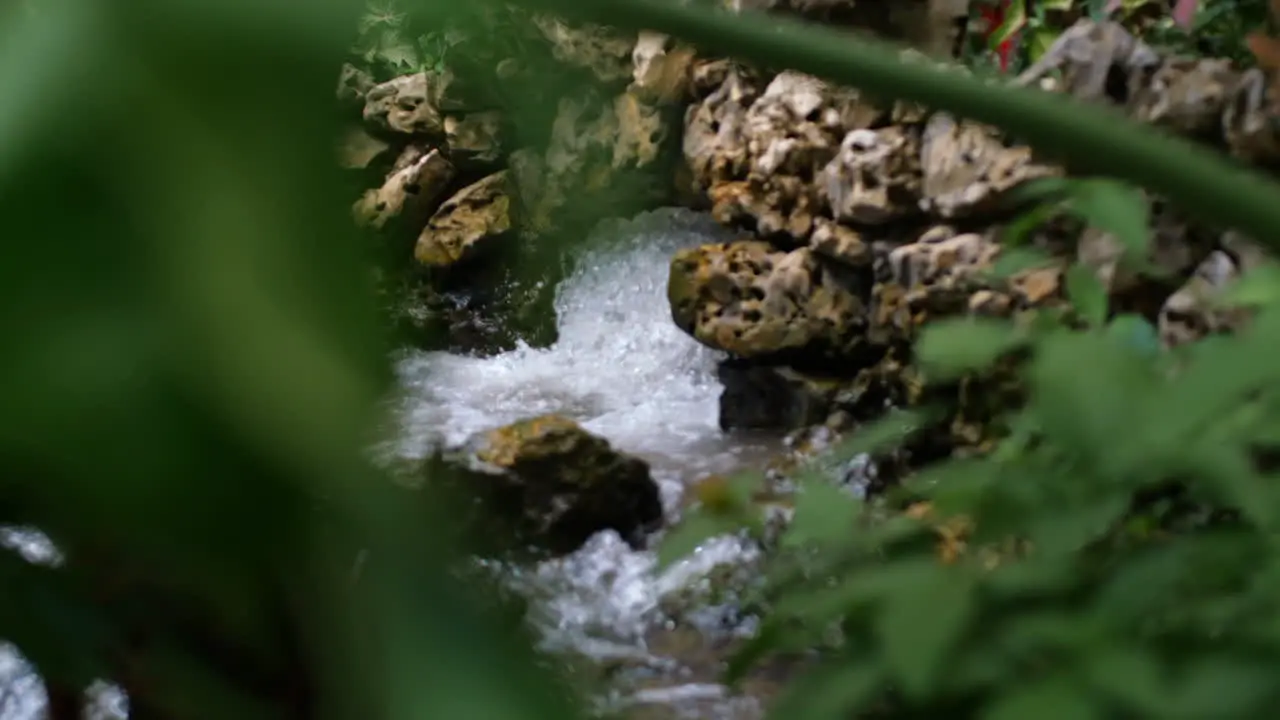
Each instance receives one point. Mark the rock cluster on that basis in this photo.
(861, 221)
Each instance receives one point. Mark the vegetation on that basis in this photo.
(191, 369)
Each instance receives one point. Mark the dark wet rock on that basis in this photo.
(549, 483)
(761, 397)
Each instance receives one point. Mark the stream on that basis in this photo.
(623, 370)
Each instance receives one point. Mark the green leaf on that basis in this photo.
(824, 514)
(1223, 686)
(834, 690)
(1130, 676)
(889, 431)
(1064, 531)
(1116, 208)
(1019, 259)
(1052, 699)
(953, 346)
(1134, 331)
(924, 617)
(1087, 294)
(1259, 286)
(1015, 17)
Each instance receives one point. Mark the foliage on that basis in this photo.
(191, 368)
(1114, 557)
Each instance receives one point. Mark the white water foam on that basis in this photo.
(623, 370)
(620, 366)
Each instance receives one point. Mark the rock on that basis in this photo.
(1194, 312)
(600, 161)
(755, 302)
(759, 397)
(411, 192)
(353, 84)
(474, 217)
(603, 51)
(1248, 123)
(475, 137)
(358, 149)
(875, 177)
(662, 69)
(557, 484)
(967, 168)
(760, 162)
(410, 104)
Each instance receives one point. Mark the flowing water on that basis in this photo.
(622, 369)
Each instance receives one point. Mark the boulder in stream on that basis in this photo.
(473, 217)
(553, 485)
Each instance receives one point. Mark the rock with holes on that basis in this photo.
(662, 68)
(601, 161)
(759, 303)
(467, 223)
(410, 104)
(603, 51)
(554, 485)
(875, 176)
(968, 168)
(474, 138)
(353, 85)
(411, 192)
(1195, 310)
(759, 157)
(946, 274)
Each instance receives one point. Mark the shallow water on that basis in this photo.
(622, 369)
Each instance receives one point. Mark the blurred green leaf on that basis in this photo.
(824, 514)
(924, 616)
(829, 691)
(951, 347)
(1053, 699)
(1087, 294)
(1115, 208)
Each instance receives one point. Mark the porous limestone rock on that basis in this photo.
(604, 51)
(411, 192)
(968, 168)
(410, 104)
(475, 216)
(475, 137)
(1195, 310)
(662, 68)
(755, 302)
(555, 484)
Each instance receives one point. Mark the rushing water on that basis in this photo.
(622, 369)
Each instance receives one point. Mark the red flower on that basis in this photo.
(993, 16)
